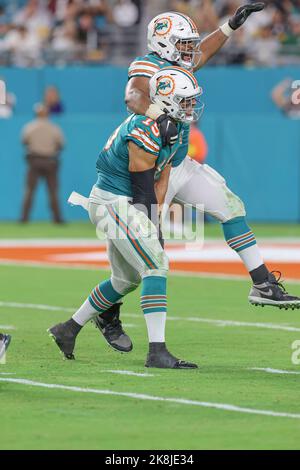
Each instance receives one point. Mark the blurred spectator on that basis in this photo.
(43, 142)
(203, 13)
(24, 47)
(66, 31)
(4, 22)
(52, 100)
(65, 47)
(197, 145)
(125, 13)
(266, 47)
(286, 96)
(35, 16)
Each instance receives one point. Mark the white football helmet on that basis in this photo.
(175, 37)
(177, 93)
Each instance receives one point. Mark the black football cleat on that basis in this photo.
(272, 292)
(64, 335)
(109, 324)
(161, 358)
(4, 343)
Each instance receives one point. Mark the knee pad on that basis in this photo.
(124, 286)
(235, 205)
(162, 267)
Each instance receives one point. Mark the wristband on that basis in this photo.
(226, 29)
(154, 112)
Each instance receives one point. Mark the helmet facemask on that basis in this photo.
(187, 53)
(189, 109)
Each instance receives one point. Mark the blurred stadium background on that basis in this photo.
(251, 128)
(250, 141)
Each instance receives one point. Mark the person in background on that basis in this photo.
(44, 142)
(197, 145)
(53, 101)
(287, 98)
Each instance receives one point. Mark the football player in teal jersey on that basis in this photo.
(173, 39)
(133, 171)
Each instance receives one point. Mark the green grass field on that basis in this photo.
(86, 230)
(40, 417)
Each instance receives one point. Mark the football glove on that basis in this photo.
(168, 130)
(243, 12)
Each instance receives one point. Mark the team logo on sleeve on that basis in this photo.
(165, 85)
(162, 26)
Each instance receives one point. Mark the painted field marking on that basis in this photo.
(275, 371)
(139, 396)
(128, 372)
(7, 327)
(7, 373)
(220, 323)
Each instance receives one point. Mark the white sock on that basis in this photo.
(85, 313)
(156, 323)
(251, 257)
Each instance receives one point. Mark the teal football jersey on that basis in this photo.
(147, 66)
(113, 161)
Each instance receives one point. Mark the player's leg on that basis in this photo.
(209, 188)
(142, 250)
(4, 343)
(144, 254)
(124, 279)
(103, 298)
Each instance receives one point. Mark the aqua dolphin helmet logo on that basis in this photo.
(162, 26)
(165, 86)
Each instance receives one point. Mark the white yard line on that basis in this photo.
(139, 396)
(7, 327)
(7, 373)
(128, 372)
(275, 371)
(220, 323)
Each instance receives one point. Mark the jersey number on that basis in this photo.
(154, 127)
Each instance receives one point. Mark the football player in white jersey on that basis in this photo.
(173, 39)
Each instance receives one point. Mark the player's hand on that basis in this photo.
(242, 13)
(168, 130)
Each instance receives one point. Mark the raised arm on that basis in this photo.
(214, 41)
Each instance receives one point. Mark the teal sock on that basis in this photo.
(154, 305)
(241, 239)
(104, 296)
(238, 234)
